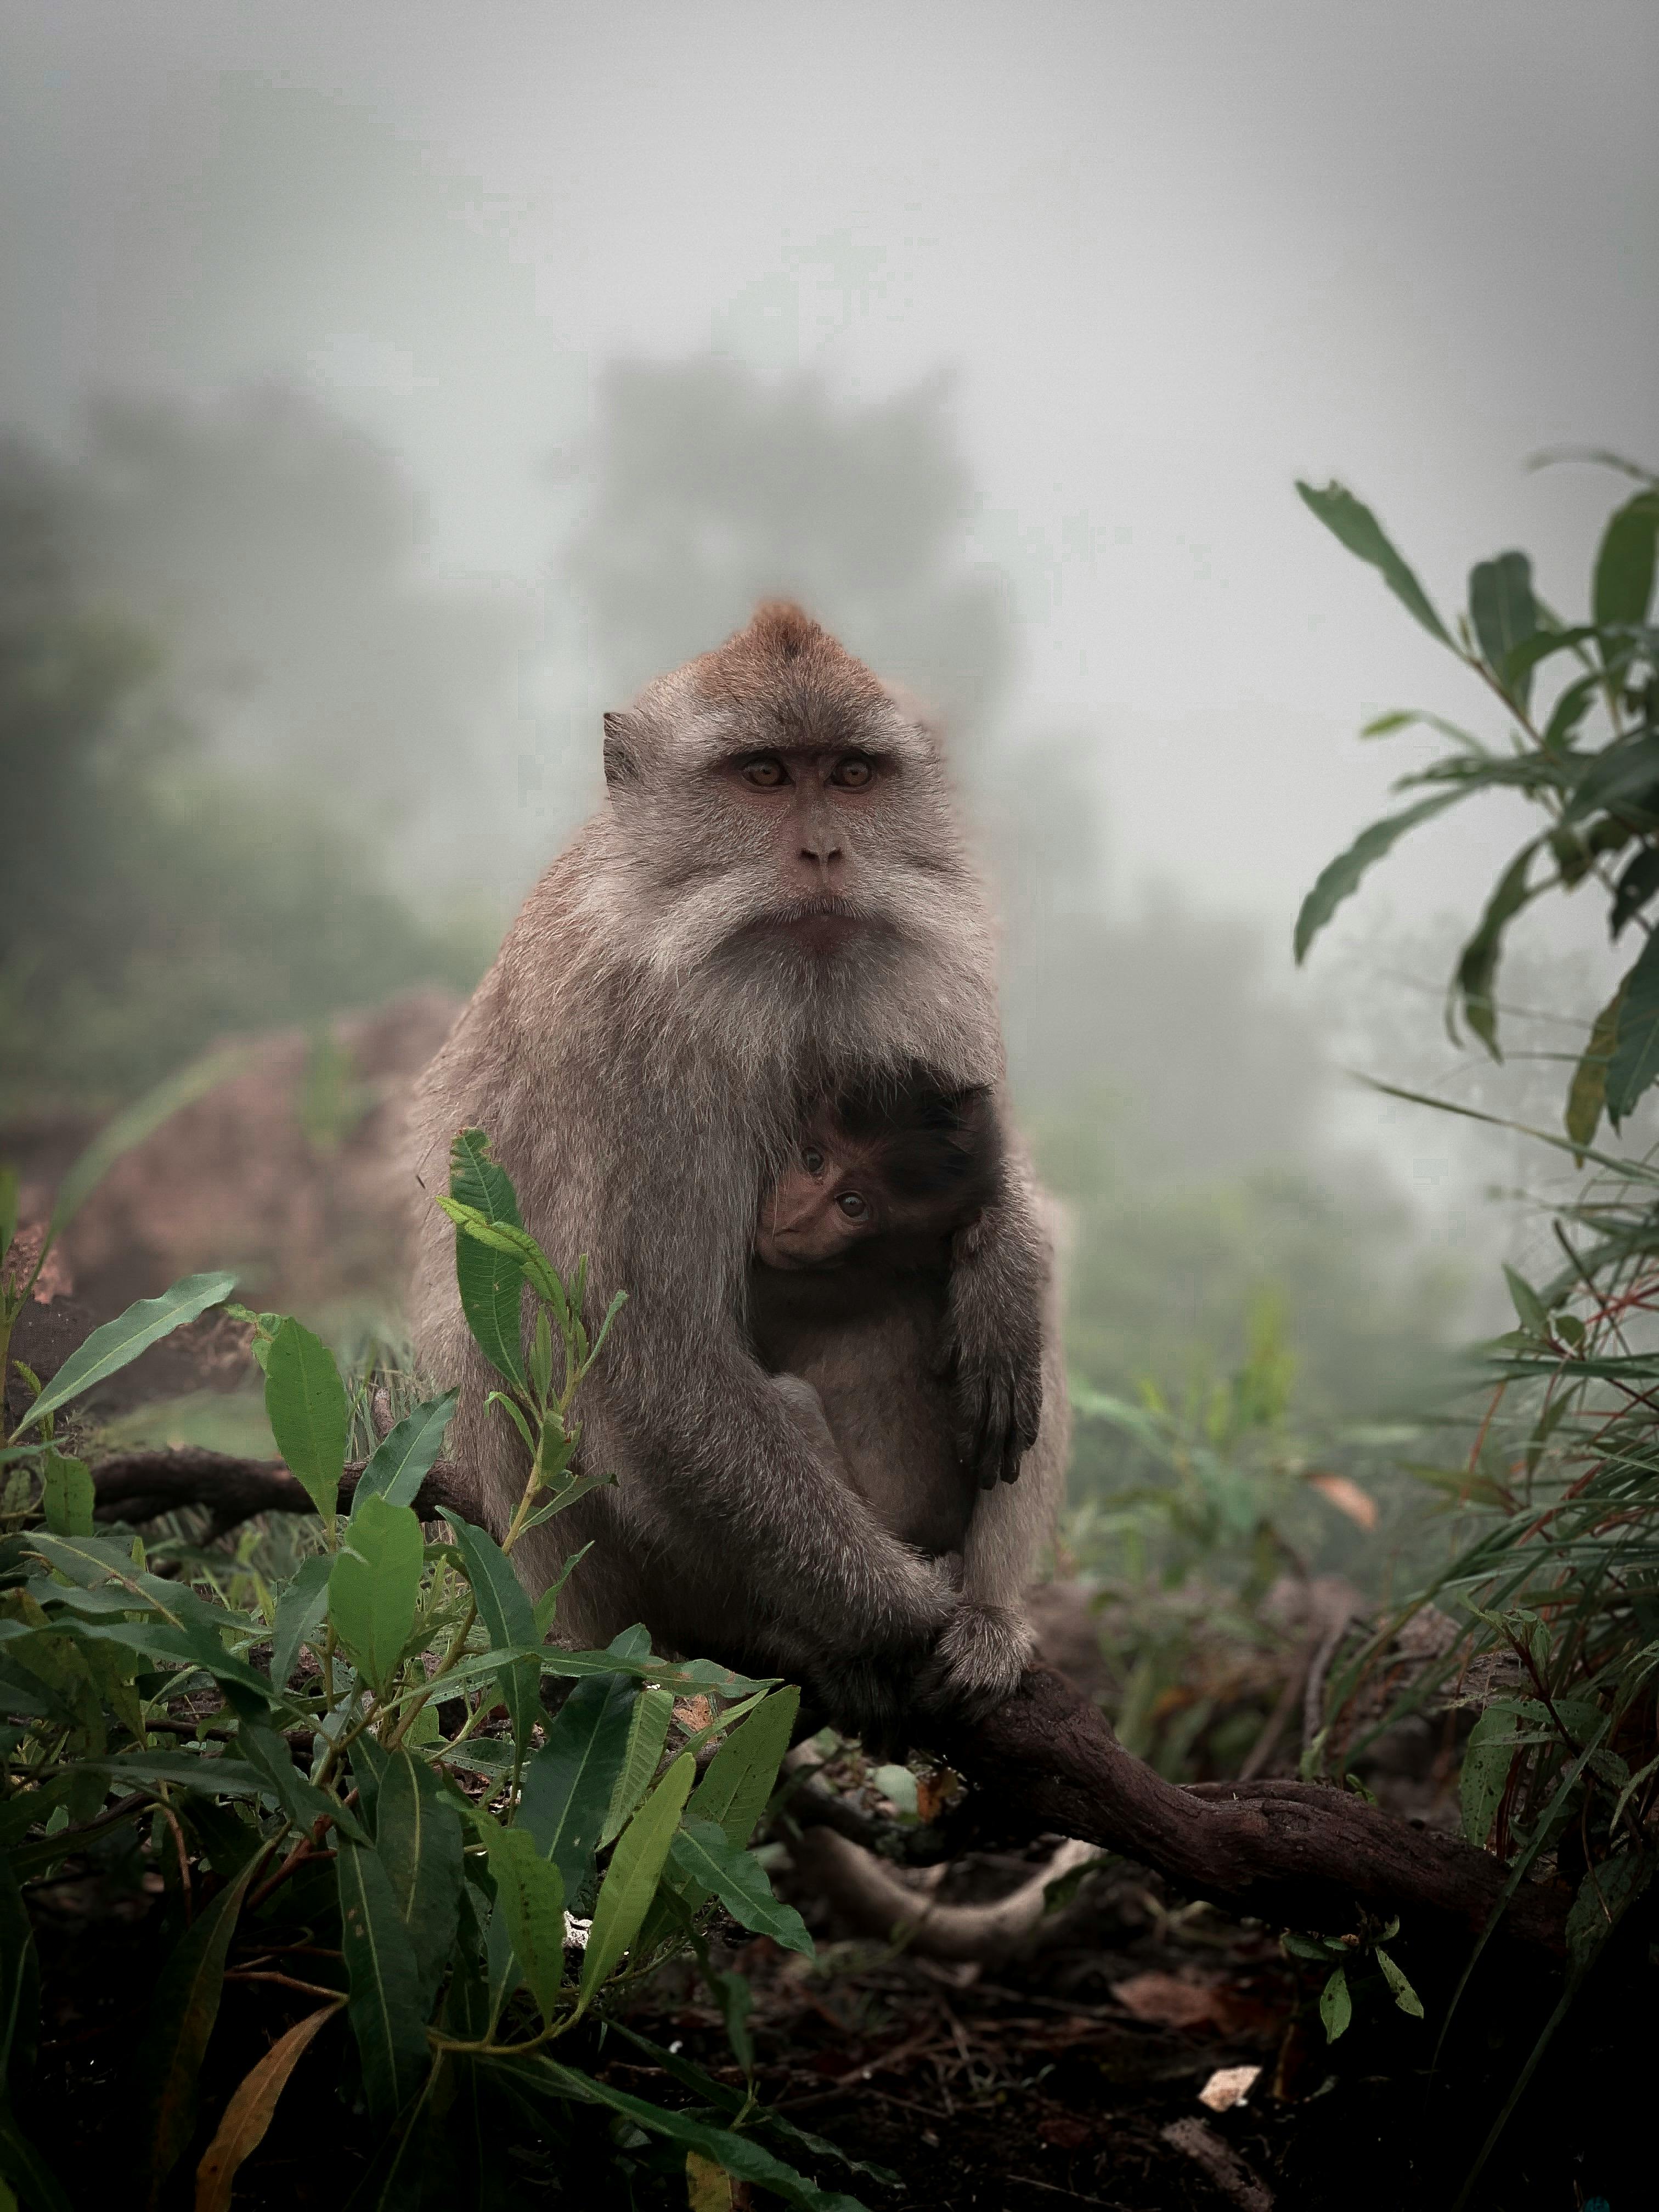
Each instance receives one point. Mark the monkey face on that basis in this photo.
(777, 806)
(816, 1212)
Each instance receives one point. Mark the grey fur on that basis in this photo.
(641, 1054)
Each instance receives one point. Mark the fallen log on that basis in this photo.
(1046, 1762)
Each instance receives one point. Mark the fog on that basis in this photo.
(1083, 288)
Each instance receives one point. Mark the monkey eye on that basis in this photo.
(851, 1206)
(853, 773)
(812, 1160)
(766, 773)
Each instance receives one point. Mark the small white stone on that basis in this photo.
(1227, 2087)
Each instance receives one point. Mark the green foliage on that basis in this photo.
(425, 1866)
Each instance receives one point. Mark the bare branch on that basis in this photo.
(138, 1485)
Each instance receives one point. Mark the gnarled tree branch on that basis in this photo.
(137, 1485)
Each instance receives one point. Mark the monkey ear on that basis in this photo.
(621, 765)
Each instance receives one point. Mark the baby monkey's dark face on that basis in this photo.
(918, 1169)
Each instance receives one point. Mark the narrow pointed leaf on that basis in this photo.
(1634, 1063)
(310, 1417)
(182, 2014)
(491, 1283)
(570, 1783)
(1504, 616)
(1341, 877)
(249, 2113)
(1335, 2004)
(1404, 1994)
(1623, 587)
(110, 1348)
(374, 1586)
(738, 1880)
(404, 1459)
(300, 1612)
(1477, 968)
(530, 1893)
(648, 1733)
(1352, 522)
(1637, 886)
(385, 2003)
(630, 1880)
(417, 1836)
(509, 1618)
(1587, 1095)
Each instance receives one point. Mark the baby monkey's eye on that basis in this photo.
(851, 1206)
(812, 1160)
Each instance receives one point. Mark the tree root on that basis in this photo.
(879, 1902)
(138, 1485)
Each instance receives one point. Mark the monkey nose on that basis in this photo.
(824, 858)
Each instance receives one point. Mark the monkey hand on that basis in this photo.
(994, 1356)
(866, 1698)
(977, 1661)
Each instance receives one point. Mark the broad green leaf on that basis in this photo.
(375, 1586)
(1487, 1758)
(1504, 616)
(736, 1877)
(509, 1618)
(530, 1893)
(310, 1417)
(491, 1284)
(1634, 1063)
(1625, 564)
(404, 1457)
(1636, 887)
(67, 1497)
(19, 1982)
(182, 2014)
(1587, 1094)
(1350, 520)
(1477, 968)
(137, 1121)
(1622, 775)
(1341, 877)
(417, 1836)
(630, 1880)
(1335, 2005)
(517, 1243)
(384, 2004)
(742, 1775)
(737, 2154)
(570, 1783)
(1404, 1994)
(648, 1733)
(248, 2114)
(300, 1612)
(110, 1348)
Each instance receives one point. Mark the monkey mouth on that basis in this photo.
(815, 926)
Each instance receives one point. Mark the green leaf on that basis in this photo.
(648, 1733)
(1348, 519)
(508, 1618)
(211, 1772)
(571, 1782)
(1504, 616)
(403, 1458)
(1404, 1994)
(491, 1283)
(736, 1876)
(384, 2007)
(1335, 2005)
(268, 1754)
(110, 1348)
(1587, 1094)
(530, 1892)
(417, 1837)
(630, 1880)
(1605, 1894)
(742, 1775)
(1636, 887)
(300, 1612)
(1477, 968)
(137, 1121)
(1340, 878)
(1623, 585)
(181, 2019)
(1634, 1063)
(1528, 1306)
(740, 2155)
(1487, 1758)
(375, 1586)
(310, 1417)
(19, 1982)
(68, 1495)
(517, 1243)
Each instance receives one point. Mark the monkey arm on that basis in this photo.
(1001, 1266)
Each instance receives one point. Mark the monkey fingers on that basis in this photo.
(976, 1663)
(998, 1409)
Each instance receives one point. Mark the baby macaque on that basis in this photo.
(850, 1264)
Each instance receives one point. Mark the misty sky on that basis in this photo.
(1172, 256)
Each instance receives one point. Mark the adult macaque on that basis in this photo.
(776, 905)
(848, 1292)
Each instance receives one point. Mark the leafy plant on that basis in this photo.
(354, 1785)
